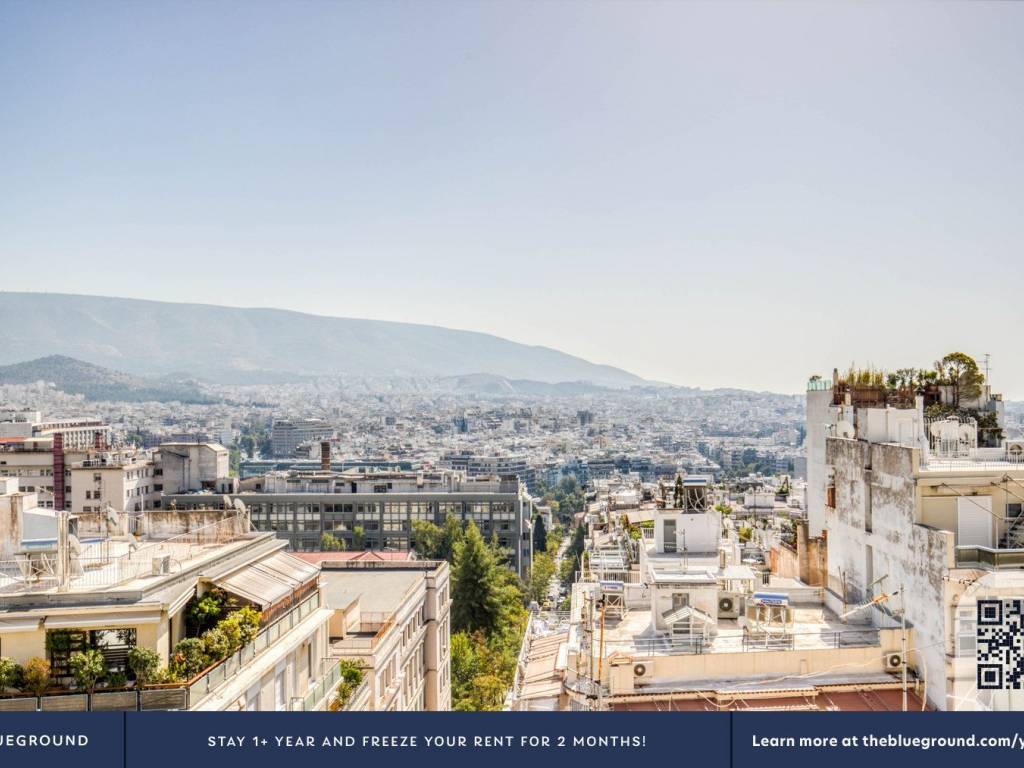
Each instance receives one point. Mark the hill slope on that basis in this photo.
(96, 383)
(225, 344)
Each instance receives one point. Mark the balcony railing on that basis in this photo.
(674, 646)
(972, 555)
(317, 696)
(173, 695)
(108, 563)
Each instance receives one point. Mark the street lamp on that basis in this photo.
(883, 597)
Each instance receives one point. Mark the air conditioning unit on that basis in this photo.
(729, 607)
(893, 661)
(161, 565)
(641, 671)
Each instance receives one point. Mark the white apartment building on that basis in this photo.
(129, 582)
(915, 508)
(676, 621)
(188, 467)
(78, 432)
(123, 478)
(393, 618)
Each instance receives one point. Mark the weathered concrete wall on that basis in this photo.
(785, 562)
(162, 523)
(873, 533)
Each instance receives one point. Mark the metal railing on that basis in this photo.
(317, 696)
(674, 646)
(229, 667)
(98, 566)
(988, 556)
(171, 696)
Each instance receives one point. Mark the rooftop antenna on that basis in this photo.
(988, 368)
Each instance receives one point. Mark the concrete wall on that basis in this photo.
(873, 533)
(735, 666)
(820, 414)
(699, 532)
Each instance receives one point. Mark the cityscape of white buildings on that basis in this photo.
(740, 549)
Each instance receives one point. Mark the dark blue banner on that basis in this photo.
(495, 740)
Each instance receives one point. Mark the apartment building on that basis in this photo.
(475, 465)
(375, 510)
(129, 581)
(123, 478)
(78, 432)
(34, 450)
(392, 617)
(925, 509)
(677, 620)
(288, 434)
(184, 467)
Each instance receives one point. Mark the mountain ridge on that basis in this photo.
(217, 343)
(94, 382)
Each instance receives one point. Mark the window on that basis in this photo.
(966, 631)
(1014, 510)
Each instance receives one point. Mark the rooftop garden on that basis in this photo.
(109, 660)
(950, 388)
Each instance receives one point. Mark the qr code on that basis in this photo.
(1000, 644)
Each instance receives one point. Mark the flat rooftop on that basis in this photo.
(105, 564)
(813, 627)
(377, 590)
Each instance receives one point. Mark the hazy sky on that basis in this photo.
(707, 194)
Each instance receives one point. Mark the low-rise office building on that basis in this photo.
(375, 510)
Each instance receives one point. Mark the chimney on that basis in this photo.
(325, 455)
(58, 471)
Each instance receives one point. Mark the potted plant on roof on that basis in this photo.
(143, 662)
(88, 667)
(36, 677)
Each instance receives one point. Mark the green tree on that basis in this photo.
(678, 498)
(331, 543)
(234, 460)
(465, 667)
(358, 537)
(475, 599)
(540, 576)
(10, 673)
(188, 658)
(436, 542)
(540, 534)
(144, 662)
(88, 667)
(36, 676)
(573, 555)
(961, 372)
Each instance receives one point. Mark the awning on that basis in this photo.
(269, 580)
(25, 624)
(102, 620)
